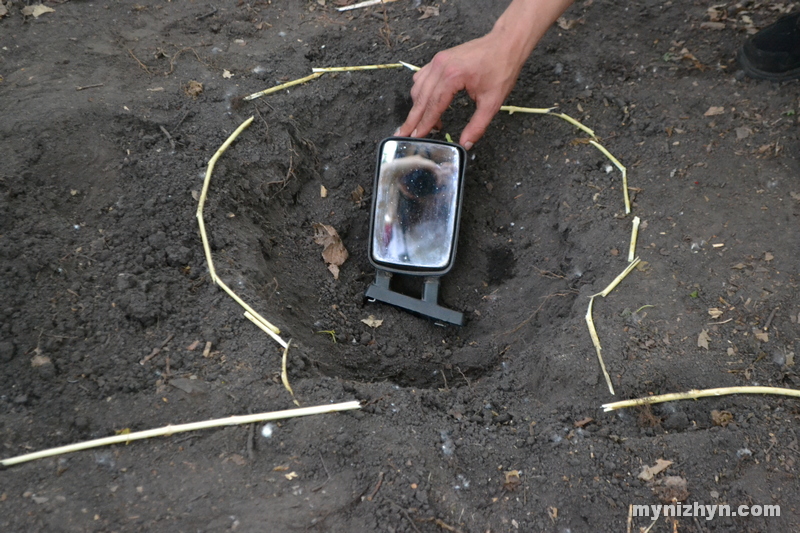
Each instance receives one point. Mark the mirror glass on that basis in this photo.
(416, 204)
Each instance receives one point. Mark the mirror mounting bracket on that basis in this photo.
(428, 305)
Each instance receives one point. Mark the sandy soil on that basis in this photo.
(103, 148)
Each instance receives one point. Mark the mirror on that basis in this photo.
(416, 205)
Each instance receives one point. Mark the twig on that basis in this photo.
(619, 278)
(84, 87)
(596, 342)
(146, 69)
(169, 137)
(359, 67)
(511, 109)
(408, 517)
(175, 57)
(285, 374)
(634, 235)
(182, 428)
(769, 320)
(210, 13)
(622, 169)
(315, 489)
(366, 3)
(703, 393)
(204, 237)
(156, 351)
(377, 487)
(282, 86)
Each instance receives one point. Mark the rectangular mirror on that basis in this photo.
(416, 205)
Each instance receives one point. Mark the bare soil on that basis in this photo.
(103, 147)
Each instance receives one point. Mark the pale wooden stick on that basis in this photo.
(283, 86)
(511, 109)
(597, 347)
(634, 235)
(703, 393)
(622, 169)
(366, 3)
(358, 67)
(285, 374)
(204, 237)
(182, 428)
(260, 323)
(410, 66)
(619, 278)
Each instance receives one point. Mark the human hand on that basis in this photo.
(487, 68)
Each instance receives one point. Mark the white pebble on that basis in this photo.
(266, 431)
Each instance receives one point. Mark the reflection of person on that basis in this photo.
(416, 199)
(488, 67)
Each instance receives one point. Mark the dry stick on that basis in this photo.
(511, 109)
(84, 87)
(266, 330)
(358, 67)
(619, 278)
(182, 428)
(702, 393)
(634, 235)
(596, 342)
(622, 169)
(204, 237)
(285, 374)
(283, 86)
(366, 3)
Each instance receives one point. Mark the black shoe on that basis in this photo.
(774, 52)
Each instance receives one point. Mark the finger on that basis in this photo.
(477, 125)
(417, 110)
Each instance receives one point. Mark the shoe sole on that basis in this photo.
(754, 72)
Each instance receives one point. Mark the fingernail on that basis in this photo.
(468, 145)
(414, 133)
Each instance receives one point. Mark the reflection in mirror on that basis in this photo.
(416, 204)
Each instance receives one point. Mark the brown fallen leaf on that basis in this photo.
(768, 257)
(358, 195)
(372, 322)
(428, 12)
(671, 489)
(717, 13)
(715, 312)
(39, 360)
(334, 253)
(583, 422)
(649, 472)
(512, 480)
(763, 336)
(193, 89)
(37, 10)
(702, 339)
(743, 132)
(721, 418)
(714, 111)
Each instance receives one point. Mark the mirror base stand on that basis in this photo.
(428, 305)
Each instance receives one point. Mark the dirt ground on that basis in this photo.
(493, 426)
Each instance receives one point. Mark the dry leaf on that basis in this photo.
(280, 468)
(714, 111)
(702, 339)
(291, 475)
(323, 192)
(739, 266)
(39, 360)
(648, 472)
(192, 347)
(583, 422)
(795, 195)
(568, 24)
(238, 459)
(428, 12)
(721, 418)
(715, 312)
(790, 359)
(37, 10)
(717, 13)
(3, 10)
(671, 489)
(712, 26)
(358, 195)
(226, 74)
(372, 322)
(334, 253)
(743, 132)
(193, 89)
(763, 336)
(768, 257)
(512, 480)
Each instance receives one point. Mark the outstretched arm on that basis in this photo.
(487, 68)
